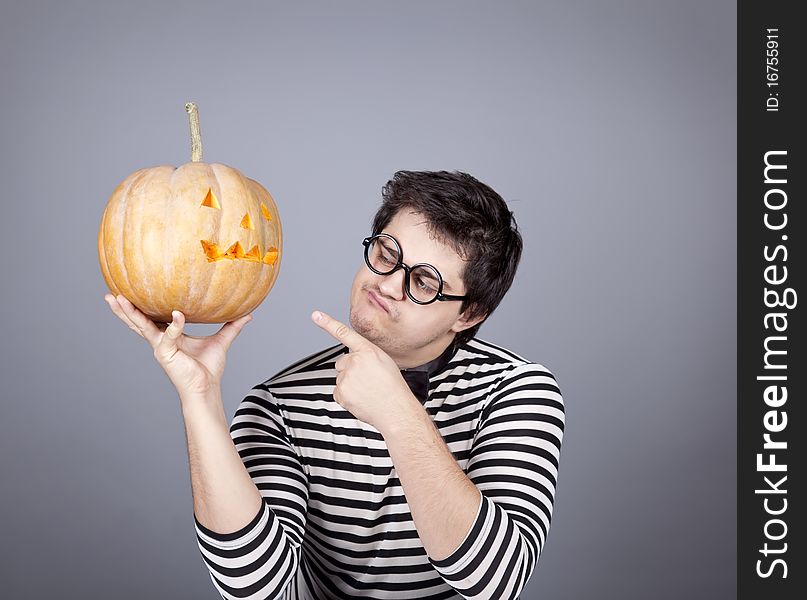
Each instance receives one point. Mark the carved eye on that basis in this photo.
(211, 200)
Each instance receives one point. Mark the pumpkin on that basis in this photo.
(201, 238)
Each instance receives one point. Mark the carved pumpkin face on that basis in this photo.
(202, 238)
(236, 251)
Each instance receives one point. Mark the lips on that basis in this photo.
(378, 301)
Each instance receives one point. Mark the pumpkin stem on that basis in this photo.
(196, 135)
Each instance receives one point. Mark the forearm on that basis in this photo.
(441, 498)
(225, 498)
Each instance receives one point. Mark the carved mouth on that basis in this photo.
(236, 251)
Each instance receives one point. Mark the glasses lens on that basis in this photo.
(424, 283)
(382, 255)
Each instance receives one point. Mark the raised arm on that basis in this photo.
(249, 488)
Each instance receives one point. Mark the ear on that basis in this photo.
(464, 322)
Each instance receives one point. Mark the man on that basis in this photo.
(409, 460)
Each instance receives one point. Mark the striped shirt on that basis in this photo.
(335, 522)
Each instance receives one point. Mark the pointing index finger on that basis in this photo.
(339, 330)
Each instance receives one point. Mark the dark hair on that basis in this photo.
(470, 217)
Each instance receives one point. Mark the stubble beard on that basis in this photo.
(367, 329)
(388, 343)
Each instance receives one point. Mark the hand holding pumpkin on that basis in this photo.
(194, 365)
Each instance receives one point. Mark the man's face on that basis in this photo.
(380, 310)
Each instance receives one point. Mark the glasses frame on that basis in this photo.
(407, 270)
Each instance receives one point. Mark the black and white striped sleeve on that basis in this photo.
(259, 560)
(514, 464)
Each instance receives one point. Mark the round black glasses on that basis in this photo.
(423, 282)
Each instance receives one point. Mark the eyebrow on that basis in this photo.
(446, 285)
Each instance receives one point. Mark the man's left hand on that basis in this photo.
(368, 382)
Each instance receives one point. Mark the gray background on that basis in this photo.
(608, 126)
